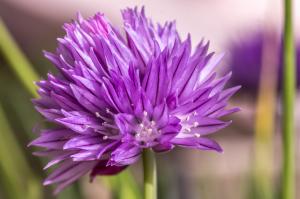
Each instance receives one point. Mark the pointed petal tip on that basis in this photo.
(47, 166)
(238, 86)
(30, 144)
(47, 182)
(36, 153)
(79, 16)
(238, 109)
(218, 148)
(34, 142)
(221, 151)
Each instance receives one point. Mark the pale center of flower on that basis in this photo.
(187, 126)
(147, 131)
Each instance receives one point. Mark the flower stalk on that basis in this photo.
(289, 84)
(150, 176)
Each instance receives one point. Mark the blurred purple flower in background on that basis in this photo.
(247, 58)
(113, 96)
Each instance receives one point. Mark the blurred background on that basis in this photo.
(249, 32)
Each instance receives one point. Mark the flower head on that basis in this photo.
(116, 95)
(247, 59)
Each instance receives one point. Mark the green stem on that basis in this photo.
(150, 178)
(289, 84)
(17, 60)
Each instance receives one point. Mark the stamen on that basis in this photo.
(197, 135)
(109, 125)
(146, 131)
(145, 113)
(105, 137)
(108, 111)
(102, 117)
(196, 124)
(98, 131)
(97, 114)
(116, 137)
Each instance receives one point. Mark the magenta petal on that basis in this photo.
(67, 170)
(125, 154)
(103, 169)
(197, 143)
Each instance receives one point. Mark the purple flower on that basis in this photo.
(115, 96)
(247, 57)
